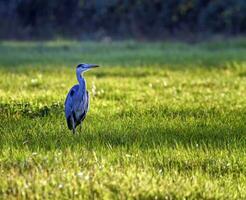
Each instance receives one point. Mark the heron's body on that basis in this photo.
(77, 101)
(76, 112)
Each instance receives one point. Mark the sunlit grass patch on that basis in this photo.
(167, 121)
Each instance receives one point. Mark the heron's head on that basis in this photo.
(85, 67)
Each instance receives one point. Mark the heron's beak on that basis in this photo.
(92, 66)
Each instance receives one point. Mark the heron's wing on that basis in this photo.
(69, 112)
(69, 107)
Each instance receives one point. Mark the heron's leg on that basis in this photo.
(73, 124)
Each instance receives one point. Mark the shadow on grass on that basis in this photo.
(207, 137)
(188, 137)
(50, 133)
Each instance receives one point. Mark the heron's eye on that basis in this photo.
(80, 65)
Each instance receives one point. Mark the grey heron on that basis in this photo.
(77, 100)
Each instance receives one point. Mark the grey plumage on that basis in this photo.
(77, 100)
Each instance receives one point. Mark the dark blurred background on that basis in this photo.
(121, 19)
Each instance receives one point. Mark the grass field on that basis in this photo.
(167, 121)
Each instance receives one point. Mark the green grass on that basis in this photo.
(167, 121)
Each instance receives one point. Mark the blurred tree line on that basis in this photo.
(97, 19)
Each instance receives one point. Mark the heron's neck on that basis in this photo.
(81, 80)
